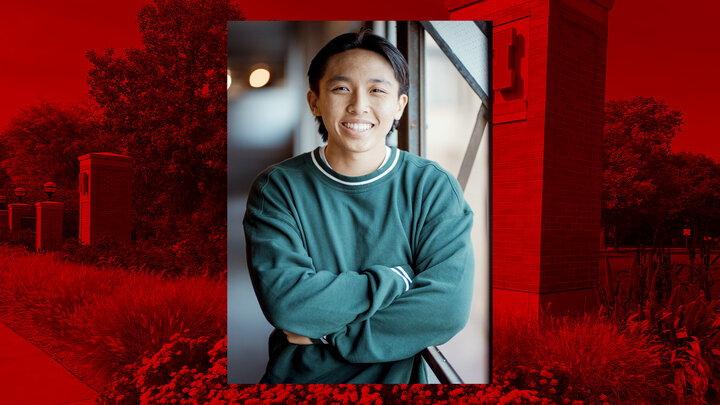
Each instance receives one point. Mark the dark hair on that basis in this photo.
(364, 39)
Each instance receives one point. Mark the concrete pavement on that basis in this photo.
(28, 376)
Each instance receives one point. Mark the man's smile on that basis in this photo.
(358, 126)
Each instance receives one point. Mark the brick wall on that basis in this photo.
(546, 164)
(106, 205)
(16, 212)
(573, 146)
(49, 225)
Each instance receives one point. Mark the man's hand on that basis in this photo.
(297, 339)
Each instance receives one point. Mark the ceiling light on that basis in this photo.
(259, 77)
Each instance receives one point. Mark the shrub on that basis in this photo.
(143, 314)
(680, 315)
(109, 252)
(687, 324)
(24, 239)
(183, 369)
(189, 256)
(588, 353)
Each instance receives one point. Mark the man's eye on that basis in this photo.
(340, 88)
(378, 91)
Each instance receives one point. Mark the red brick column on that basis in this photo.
(549, 90)
(16, 212)
(105, 197)
(49, 225)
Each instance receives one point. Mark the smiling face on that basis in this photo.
(358, 101)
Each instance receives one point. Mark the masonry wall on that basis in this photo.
(105, 197)
(573, 145)
(547, 141)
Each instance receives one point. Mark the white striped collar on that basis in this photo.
(391, 158)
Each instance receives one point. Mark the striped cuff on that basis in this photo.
(322, 341)
(403, 274)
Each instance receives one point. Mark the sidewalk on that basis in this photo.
(28, 376)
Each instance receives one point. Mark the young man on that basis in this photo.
(360, 254)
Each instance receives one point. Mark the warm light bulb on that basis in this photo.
(259, 77)
(229, 81)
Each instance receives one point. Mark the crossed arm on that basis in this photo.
(297, 297)
(430, 313)
(370, 315)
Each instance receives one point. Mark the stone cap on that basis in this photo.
(452, 5)
(50, 204)
(107, 156)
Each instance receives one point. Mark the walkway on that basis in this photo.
(28, 376)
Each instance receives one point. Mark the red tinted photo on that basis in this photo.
(117, 195)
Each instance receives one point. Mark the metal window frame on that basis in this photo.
(411, 130)
(447, 50)
(411, 137)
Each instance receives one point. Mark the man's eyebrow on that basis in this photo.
(335, 79)
(383, 81)
(338, 79)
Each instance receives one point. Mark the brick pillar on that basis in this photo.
(549, 94)
(49, 225)
(16, 212)
(105, 197)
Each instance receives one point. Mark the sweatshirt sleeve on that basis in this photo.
(437, 306)
(292, 293)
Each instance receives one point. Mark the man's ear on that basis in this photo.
(402, 102)
(312, 100)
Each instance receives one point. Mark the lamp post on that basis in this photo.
(49, 188)
(20, 193)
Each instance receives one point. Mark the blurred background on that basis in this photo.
(269, 121)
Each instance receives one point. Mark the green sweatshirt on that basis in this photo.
(372, 268)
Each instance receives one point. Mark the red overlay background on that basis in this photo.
(655, 48)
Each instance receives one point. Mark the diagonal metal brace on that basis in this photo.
(481, 123)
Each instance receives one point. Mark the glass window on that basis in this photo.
(452, 109)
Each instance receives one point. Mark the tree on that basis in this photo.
(165, 106)
(636, 177)
(42, 143)
(697, 192)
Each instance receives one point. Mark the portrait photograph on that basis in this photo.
(414, 201)
(359, 202)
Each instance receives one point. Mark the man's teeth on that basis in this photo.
(357, 127)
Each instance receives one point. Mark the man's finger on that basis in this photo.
(296, 339)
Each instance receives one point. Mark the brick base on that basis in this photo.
(555, 303)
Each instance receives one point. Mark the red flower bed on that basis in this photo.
(194, 371)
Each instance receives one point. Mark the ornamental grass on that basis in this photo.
(162, 338)
(587, 357)
(105, 319)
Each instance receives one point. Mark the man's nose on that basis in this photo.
(358, 103)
